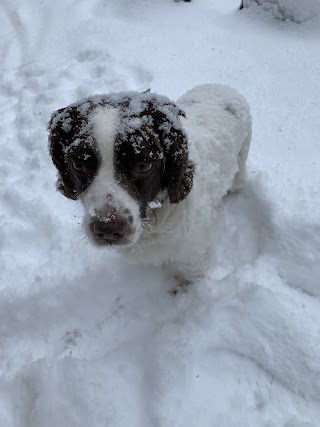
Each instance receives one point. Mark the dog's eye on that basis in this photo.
(142, 170)
(144, 167)
(79, 166)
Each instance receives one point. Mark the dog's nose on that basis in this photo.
(111, 230)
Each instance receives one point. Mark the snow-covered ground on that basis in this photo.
(89, 341)
(294, 10)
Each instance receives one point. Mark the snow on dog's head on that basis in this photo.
(121, 155)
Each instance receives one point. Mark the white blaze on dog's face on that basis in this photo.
(112, 205)
(118, 154)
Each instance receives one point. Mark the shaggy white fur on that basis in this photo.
(218, 125)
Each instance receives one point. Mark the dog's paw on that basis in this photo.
(181, 284)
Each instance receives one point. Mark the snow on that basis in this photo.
(154, 204)
(87, 339)
(295, 10)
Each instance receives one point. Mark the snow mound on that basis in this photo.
(295, 10)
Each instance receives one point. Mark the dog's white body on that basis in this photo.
(218, 126)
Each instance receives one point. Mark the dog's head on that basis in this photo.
(120, 153)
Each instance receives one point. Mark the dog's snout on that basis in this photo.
(111, 225)
(110, 230)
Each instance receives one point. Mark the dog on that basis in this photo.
(151, 172)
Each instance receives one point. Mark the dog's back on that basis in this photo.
(218, 124)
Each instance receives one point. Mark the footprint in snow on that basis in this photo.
(71, 338)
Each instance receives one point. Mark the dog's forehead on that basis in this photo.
(109, 121)
(114, 133)
(105, 124)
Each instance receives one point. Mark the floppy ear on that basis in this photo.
(178, 170)
(59, 139)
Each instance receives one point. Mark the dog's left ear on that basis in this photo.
(178, 170)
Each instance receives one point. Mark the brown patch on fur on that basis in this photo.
(71, 139)
(177, 171)
(62, 136)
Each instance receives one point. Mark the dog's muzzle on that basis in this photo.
(110, 227)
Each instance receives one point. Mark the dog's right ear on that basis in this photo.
(59, 139)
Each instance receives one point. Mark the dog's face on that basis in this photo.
(120, 154)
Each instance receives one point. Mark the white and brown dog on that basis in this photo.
(150, 172)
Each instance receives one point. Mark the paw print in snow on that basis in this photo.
(71, 338)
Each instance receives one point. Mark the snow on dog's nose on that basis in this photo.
(109, 226)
